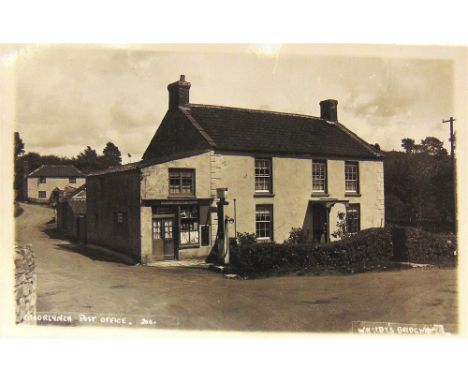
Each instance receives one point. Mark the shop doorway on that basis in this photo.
(163, 238)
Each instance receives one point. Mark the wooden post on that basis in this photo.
(450, 121)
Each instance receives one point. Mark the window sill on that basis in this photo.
(263, 195)
(189, 246)
(320, 194)
(348, 194)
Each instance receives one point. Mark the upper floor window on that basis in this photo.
(353, 218)
(42, 179)
(319, 176)
(72, 179)
(351, 177)
(181, 181)
(264, 222)
(263, 182)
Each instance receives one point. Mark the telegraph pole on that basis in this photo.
(450, 121)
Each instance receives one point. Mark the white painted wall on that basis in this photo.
(34, 186)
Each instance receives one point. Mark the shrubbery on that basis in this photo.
(424, 247)
(369, 250)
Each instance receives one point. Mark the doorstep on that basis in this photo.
(189, 263)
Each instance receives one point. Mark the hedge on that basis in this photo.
(418, 246)
(370, 249)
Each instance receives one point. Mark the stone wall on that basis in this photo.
(107, 196)
(25, 281)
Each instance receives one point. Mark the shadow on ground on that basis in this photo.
(81, 249)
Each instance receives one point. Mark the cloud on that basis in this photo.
(73, 96)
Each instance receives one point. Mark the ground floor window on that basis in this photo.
(264, 222)
(189, 225)
(42, 194)
(353, 218)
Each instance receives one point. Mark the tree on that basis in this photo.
(112, 155)
(419, 184)
(88, 160)
(433, 146)
(19, 145)
(408, 145)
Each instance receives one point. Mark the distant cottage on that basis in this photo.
(71, 213)
(42, 182)
(281, 170)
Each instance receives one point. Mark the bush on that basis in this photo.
(424, 247)
(296, 236)
(245, 238)
(370, 249)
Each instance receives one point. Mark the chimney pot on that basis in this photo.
(179, 93)
(328, 110)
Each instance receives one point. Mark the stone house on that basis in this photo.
(71, 212)
(281, 170)
(42, 182)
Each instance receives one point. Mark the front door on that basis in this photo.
(319, 223)
(163, 239)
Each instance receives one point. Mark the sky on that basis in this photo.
(69, 97)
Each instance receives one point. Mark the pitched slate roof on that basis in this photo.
(69, 192)
(56, 171)
(116, 169)
(235, 129)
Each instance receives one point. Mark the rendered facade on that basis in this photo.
(42, 182)
(282, 171)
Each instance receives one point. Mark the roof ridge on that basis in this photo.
(255, 110)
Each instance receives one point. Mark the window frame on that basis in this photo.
(325, 180)
(120, 227)
(42, 193)
(264, 238)
(72, 179)
(180, 171)
(42, 179)
(190, 220)
(270, 176)
(356, 207)
(357, 180)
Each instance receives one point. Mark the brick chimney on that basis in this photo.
(179, 92)
(328, 110)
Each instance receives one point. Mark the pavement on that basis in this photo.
(73, 278)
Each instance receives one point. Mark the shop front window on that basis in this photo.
(189, 225)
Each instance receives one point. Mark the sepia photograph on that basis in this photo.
(256, 188)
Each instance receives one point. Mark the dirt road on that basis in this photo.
(71, 279)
